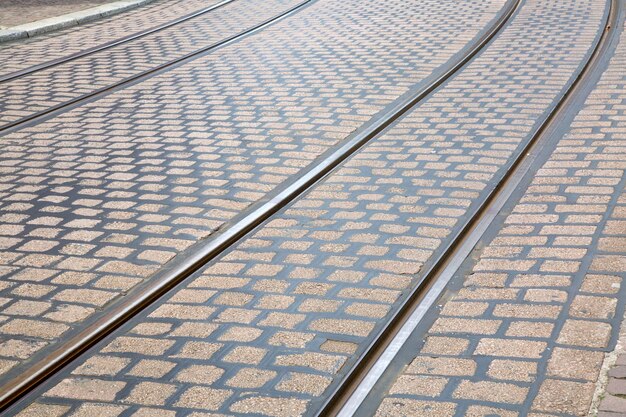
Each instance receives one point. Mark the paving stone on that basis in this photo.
(87, 389)
(616, 387)
(564, 397)
(480, 411)
(613, 403)
(442, 366)
(509, 370)
(575, 364)
(203, 398)
(276, 407)
(585, 333)
(419, 385)
(491, 391)
(407, 407)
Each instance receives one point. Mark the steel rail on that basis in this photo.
(350, 394)
(58, 108)
(176, 272)
(54, 62)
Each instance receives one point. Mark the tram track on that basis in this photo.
(175, 273)
(136, 78)
(352, 391)
(81, 54)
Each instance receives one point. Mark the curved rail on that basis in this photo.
(107, 45)
(348, 396)
(175, 273)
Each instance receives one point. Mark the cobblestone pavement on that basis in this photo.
(97, 199)
(269, 326)
(24, 53)
(613, 402)
(17, 12)
(33, 93)
(524, 331)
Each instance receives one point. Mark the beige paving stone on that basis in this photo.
(251, 378)
(290, 339)
(445, 345)
(153, 412)
(104, 410)
(245, 354)
(150, 393)
(563, 397)
(601, 284)
(418, 385)
(197, 350)
(442, 366)
(299, 382)
(350, 327)
(574, 364)
(585, 333)
(44, 410)
(530, 329)
(33, 328)
(467, 326)
(102, 365)
(275, 407)
(141, 345)
(464, 309)
(203, 398)
(590, 307)
(87, 389)
(498, 392)
(481, 411)
(407, 407)
(337, 346)
(510, 347)
(151, 368)
(512, 370)
(19, 348)
(317, 361)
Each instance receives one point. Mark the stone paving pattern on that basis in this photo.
(269, 325)
(613, 401)
(97, 199)
(30, 94)
(527, 332)
(24, 53)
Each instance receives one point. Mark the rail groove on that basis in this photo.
(352, 391)
(174, 274)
